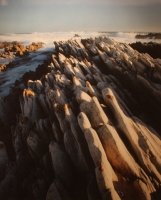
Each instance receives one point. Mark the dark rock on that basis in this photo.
(40, 70)
(8, 186)
(149, 36)
(152, 48)
(76, 35)
(17, 82)
(19, 53)
(10, 64)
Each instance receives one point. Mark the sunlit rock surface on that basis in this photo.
(89, 129)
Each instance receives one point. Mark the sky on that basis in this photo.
(26, 16)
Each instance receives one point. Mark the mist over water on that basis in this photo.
(45, 37)
(50, 37)
(8, 77)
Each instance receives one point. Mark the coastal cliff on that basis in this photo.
(88, 126)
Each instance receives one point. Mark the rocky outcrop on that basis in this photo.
(6, 55)
(149, 36)
(88, 128)
(2, 67)
(16, 49)
(34, 46)
(152, 48)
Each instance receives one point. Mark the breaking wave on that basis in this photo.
(50, 37)
(8, 77)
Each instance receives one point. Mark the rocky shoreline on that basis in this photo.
(85, 126)
(149, 35)
(16, 49)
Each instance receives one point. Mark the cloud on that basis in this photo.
(4, 2)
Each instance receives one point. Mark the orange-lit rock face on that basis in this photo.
(29, 93)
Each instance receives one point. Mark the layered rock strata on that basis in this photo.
(88, 129)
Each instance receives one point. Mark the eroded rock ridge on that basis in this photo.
(88, 129)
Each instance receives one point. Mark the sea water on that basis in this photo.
(30, 62)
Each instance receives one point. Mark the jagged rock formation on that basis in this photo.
(88, 129)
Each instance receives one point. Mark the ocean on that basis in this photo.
(8, 77)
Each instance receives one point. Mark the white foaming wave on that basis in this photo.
(45, 37)
(129, 37)
(49, 37)
(124, 37)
